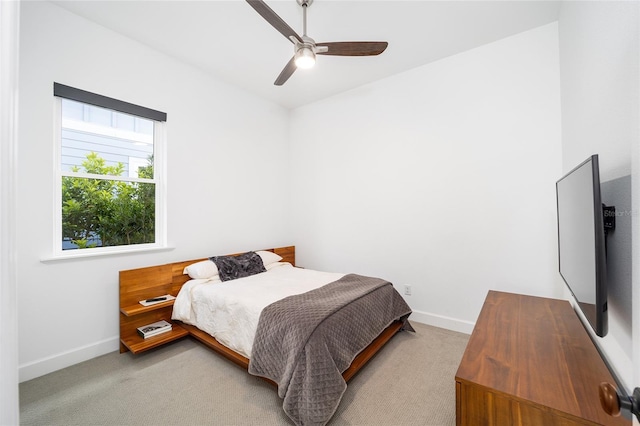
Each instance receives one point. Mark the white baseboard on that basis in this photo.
(56, 362)
(441, 321)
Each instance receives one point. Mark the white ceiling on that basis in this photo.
(229, 40)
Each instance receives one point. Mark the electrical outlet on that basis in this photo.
(407, 290)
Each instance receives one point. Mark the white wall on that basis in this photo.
(441, 178)
(599, 53)
(227, 181)
(9, 32)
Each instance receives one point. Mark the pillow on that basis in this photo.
(201, 270)
(268, 257)
(234, 267)
(276, 265)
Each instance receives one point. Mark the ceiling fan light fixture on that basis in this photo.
(305, 57)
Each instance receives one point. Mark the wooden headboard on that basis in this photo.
(139, 284)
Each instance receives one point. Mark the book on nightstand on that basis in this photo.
(154, 329)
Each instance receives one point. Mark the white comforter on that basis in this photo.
(230, 310)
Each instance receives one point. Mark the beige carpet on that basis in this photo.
(410, 382)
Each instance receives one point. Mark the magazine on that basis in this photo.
(155, 328)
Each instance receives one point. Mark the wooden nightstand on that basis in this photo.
(142, 284)
(134, 316)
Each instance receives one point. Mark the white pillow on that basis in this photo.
(201, 270)
(268, 257)
(276, 265)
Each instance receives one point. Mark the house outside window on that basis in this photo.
(110, 174)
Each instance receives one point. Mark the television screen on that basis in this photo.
(581, 241)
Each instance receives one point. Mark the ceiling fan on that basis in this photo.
(305, 48)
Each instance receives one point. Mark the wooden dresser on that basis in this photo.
(530, 361)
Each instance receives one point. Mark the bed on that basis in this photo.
(308, 332)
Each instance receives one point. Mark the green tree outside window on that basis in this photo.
(104, 212)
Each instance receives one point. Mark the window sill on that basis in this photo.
(88, 254)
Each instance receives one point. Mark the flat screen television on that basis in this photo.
(582, 241)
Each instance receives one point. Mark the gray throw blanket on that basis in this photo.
(305, 342)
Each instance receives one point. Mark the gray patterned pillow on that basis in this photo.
(234, 267)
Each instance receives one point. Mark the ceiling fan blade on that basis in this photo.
(286, 72)
(271, 17)
(354, 48)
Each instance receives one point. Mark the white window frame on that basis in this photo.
(159, 172)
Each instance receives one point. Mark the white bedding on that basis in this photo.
(230, 310)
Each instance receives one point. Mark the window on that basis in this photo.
(110, 157)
